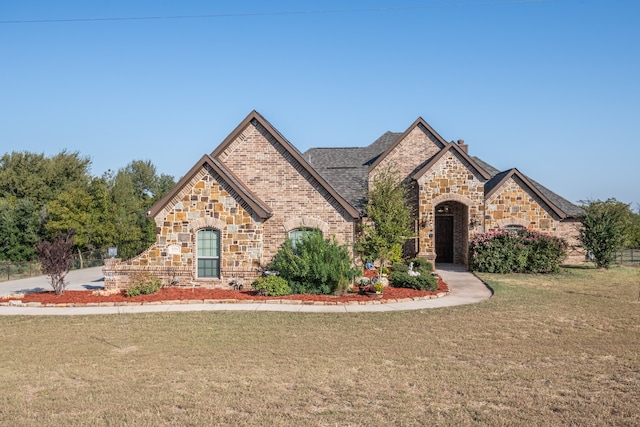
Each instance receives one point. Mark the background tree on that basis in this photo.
(19, 228)
(25, 175)
(88, 211)
(134, 189)
(605, 230)
(389, 218)
(55, 257)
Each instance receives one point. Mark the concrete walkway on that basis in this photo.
(465, 288)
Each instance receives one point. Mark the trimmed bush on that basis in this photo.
(516, 251)
(274, 286)
(143, 284)
(400, 277)
(315, 266)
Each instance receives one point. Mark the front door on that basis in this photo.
(444, 239)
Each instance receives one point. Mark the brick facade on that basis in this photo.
(297, 199)
(255, 187)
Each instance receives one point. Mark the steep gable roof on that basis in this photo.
(496, 182)
(569, 209)
(419, 122)
(250, 200)
(458, 152)
(291, 150)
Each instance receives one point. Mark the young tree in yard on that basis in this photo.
(390, 218)
(55, 258)
(604, 230)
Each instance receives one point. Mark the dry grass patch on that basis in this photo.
(545, 350)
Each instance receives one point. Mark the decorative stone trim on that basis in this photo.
(448, 197)
(206, 222)
(512, 221)
(306, 222)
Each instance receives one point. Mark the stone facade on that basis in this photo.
(255, 188)
(205, 202)
(451, 180)
(515, 204)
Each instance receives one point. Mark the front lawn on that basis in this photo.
(545, 350)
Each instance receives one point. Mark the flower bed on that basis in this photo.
(206, 295)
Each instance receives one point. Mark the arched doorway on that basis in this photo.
(451, 230)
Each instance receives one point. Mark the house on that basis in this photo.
(227, 217)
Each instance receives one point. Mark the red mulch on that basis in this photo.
(175, 293)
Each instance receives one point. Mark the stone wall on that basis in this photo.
(270, 171)
(450, 179)
(514, 204)
(205, 202)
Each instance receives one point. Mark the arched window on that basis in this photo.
(296, 234)
(208, 250)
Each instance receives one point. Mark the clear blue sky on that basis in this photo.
(549, 87)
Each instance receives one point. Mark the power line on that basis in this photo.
(283, 13)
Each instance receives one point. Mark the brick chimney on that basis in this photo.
(463, 146)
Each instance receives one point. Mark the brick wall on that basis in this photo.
(411, 152)
(295, 197)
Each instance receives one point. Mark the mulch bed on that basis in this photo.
(184, 294)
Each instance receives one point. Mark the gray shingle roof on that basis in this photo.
(566, 206)
(346, 169)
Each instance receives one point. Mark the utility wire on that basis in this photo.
(250, 14)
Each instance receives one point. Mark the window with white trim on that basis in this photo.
(208, 253)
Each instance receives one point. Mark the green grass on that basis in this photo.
(545, 350)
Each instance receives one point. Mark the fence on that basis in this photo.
(629, 256)
(20, 270)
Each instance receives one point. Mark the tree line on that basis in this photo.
(42, 196)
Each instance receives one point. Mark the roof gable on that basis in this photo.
(255, 117)
(493, 185)
(418, 123)
(248, 199)
(458, 152)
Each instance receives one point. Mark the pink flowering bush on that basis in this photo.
(516, 251)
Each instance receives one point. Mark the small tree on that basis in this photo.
(390, 217)
(604, 229)
(55, 258)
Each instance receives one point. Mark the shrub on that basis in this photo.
(400, 277)
(55, 258)
(274, 286)
(143, 284)
(516, 251)
(315, 266)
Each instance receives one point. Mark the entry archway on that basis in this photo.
(450, 232)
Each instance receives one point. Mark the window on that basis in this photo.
(296, 235)
(208, 247)
(514, 227)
